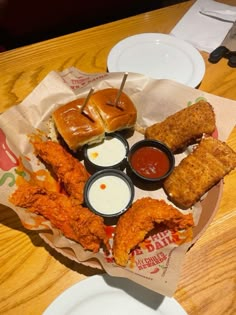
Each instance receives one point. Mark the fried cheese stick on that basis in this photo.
(134, 225)
(185, 126)
(68, 169)
(74, 221)
(199, 171)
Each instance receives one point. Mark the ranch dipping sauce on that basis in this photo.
(110, 152)
(109, 193)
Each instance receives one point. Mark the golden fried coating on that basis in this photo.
(133, 226)
(184, 127)
(68, 169)
(199, 171)
(74, 221)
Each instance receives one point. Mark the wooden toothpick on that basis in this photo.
(116, 103)
(121, 88)
(87, 99)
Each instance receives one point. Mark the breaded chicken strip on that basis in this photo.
(184, 127)
(68, 169)
(74, 221)
(134, 225)
(199, 171)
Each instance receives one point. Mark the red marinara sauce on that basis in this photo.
(150, 162)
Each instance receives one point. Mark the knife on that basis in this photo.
(227, 49)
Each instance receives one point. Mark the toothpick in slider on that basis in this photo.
(120, 91)
(87, 99)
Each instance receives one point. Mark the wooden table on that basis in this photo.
(32, 274)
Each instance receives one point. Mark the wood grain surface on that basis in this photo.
(32, 274)
(23, 68)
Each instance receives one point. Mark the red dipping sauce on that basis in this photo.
(150, 162)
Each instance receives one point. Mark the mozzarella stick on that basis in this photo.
(199, 171)
(184, 127)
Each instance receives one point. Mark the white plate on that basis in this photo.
(158, 56)
(105, 295)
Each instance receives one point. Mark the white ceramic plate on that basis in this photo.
(105, 295)
(158, 56)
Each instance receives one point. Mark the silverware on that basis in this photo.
(227, 49)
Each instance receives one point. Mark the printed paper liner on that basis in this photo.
(157, 266)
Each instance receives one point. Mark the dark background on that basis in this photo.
(23, 22)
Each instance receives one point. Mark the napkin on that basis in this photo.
(206, 24)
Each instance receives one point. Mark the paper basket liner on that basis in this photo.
(157, 268)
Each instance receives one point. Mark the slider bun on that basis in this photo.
(78, 128)
(114, 118)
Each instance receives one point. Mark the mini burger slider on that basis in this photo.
(79, 126)
(116, 115)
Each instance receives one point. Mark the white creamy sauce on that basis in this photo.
(109, 194)
(110, 152)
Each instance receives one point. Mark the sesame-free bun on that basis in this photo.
(78, 128)
(99, 116)
(118, 117)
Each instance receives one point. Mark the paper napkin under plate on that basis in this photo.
(206, 24)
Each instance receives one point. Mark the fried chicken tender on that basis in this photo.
(199, 171)
(184, 127)
(73, 220)
(134, 225)
(68, 169)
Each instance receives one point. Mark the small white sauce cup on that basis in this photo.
(109, 193)
(110, 153)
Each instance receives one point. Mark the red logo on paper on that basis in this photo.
(7, 158)
(81, 80)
